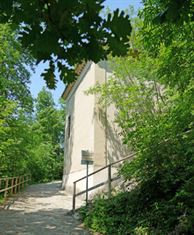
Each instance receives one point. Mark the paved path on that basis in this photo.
(40, 210)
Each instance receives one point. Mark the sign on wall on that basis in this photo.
(86, 157)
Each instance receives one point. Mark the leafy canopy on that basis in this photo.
(14, 77)
(64, 33)
(168, 11)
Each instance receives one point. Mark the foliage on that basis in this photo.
(2, 199)
(172, 48)
(48, 134)
(33, 145)
(29, 142)
(14, 77)
(133, 213)
(109, 216)
(15, 103)
(155, 113)
(168, 11)
(163, 168)
(67, 32)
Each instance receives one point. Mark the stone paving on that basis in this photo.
(40, 209)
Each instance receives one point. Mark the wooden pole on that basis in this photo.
(19, 178)
(26, 180)
(6, 186)
(22, 182)
(12, 185)
(15, 188)
(18, 185)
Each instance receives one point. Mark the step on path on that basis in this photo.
(42, 209)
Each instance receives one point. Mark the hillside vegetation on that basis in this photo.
(31, 130)
(155, 113)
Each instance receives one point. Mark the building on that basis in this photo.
(89, 127)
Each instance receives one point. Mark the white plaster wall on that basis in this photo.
(81, 185)
(83, 125)
(99, 130)
(115, 148)
(81, 108)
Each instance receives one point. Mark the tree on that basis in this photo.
(47, 139)
(171, 44)
(65, 33)
(15, 104)
(168, 11)
(49, 119)
(30, 142)
(14, 76)
(155, 113)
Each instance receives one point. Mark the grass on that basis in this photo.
(2, 199)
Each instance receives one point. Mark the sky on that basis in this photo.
(36, 80)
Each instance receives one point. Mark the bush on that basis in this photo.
(135, 212)
(108, 216)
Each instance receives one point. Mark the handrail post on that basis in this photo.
(109, 180)
(6, 186)
(26, 180)
(87, 166)
(15, 185)
(19, 186)
(12, 185)
(18, 180)
(22, 182)
(74, 195)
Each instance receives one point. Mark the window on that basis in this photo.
(69, 126)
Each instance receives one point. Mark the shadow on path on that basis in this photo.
(41, 209)
(41, 222)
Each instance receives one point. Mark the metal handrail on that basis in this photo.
(121, 160)
(109, 180)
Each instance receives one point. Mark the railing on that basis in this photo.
(13, 185)
(108, 181)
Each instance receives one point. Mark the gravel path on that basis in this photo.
(40, 209)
